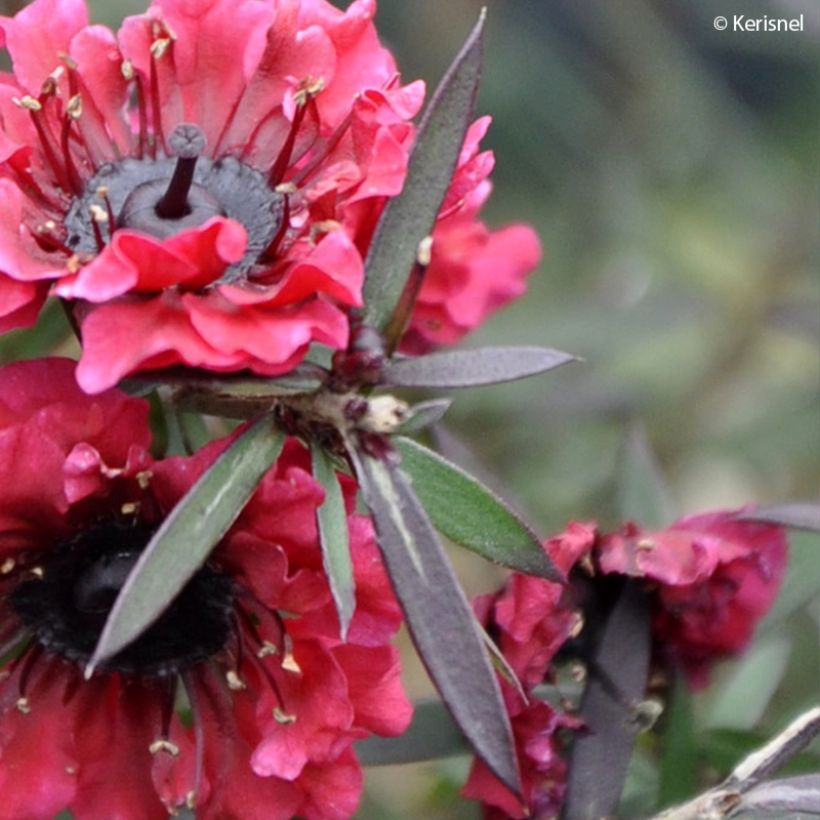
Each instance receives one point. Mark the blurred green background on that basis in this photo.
(671, 171)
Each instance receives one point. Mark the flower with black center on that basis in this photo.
(241, 700)
(203, 186)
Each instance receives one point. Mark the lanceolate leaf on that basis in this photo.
(438, 615)
(409, 218)
(616, 684)
(472, 368)
(469, 514)
(332, 520)
(186, 537)
(800, 516)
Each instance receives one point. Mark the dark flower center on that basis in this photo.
(66, 605)
(166, 195)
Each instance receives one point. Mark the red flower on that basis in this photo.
(276, 697)
(473, 271)
(220, 221)
(717, 577)
(530, 619)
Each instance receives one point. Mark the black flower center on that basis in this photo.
(166, 195)
(66, 605)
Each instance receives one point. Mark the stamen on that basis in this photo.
(187, 143)
(282, 717)
(23, 705)
(325, 151)
(144, 140)
(169, 697)
(234, 681)
(73, 175)
(102, 193)
(159, 137)
(49, 150)
(8, 565)
(304, 100)
(162, 745)
(269, 253)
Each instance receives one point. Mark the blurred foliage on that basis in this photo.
(671, 171)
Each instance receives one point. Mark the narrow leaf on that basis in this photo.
(800, 516)
(471, 368)
(331, 517)
(438, 616)
(186, 537)
(424, 414)
(680, 753)
(409, 218)
(642, 492)
(470, 514)
(616, 685)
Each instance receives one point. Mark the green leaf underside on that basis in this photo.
(331, 518)
(800, 516)
(439, 618)
(642, 492)
(473, 368)
(680, 755)
(189, 533)
(599, 759)
(408, 218)
(470, 514)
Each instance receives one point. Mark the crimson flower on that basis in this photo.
(716, 577)
(530, 619)
(204, 184)
(275, 698)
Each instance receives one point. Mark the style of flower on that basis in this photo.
(716, 576)
(275, 697)
(530, 619)
(203, 186)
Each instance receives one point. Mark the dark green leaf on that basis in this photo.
(332, 521)
(681, 753)
(642, 493)
(800, 516)
(469, 514)
(409, 218)
(616, 684)
(438, 615)
(471, 368)
(186, 537)
(432, 734)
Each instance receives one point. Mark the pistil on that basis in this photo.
(187, 143)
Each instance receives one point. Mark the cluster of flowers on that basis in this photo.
(710, 578)
(201, 189)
